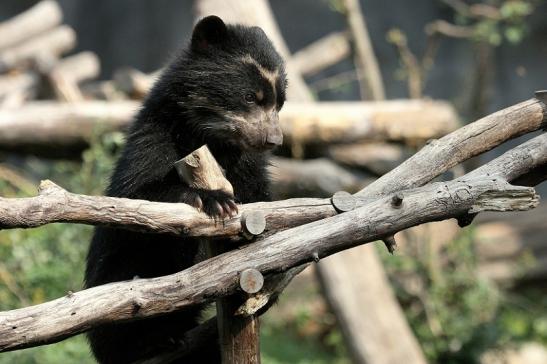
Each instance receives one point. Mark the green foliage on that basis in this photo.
(306, 336)
(505, 20)
(37, 265)
(456, 315)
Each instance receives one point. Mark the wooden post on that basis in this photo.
(239, 335)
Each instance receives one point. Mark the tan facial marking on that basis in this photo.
(271, 76)
(260, 95)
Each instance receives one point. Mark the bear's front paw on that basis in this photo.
(216, 203)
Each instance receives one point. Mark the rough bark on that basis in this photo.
(219, 276)
(473, 139)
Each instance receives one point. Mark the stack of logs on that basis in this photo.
(51, 104)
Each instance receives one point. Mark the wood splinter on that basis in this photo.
(390, 243)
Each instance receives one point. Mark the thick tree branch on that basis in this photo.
(493, 130)
(440, 155)
(57, 205)
(218, 276)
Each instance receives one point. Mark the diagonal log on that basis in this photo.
(299, 211)
(131, 300)
(440, 155)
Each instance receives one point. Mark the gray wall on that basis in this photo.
(143, 33)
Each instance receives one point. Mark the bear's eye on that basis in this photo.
(249, 98)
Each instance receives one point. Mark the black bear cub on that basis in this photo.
(225, 91)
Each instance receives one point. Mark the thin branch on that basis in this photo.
(372, 86)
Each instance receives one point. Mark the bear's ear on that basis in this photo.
(208, 32)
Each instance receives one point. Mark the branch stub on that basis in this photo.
(390, 243)
(397, 200)
(343, 201)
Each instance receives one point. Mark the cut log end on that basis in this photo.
(343, 201)
(251, 280)
(253, 223)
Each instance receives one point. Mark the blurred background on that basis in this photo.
(473, 295)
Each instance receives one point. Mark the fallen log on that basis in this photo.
(15, 89)
(60, 129)
(53, 43)
(379, 158)
(65, 75)
(79, 67)
(313, 178)
(133, 82)
(51, 125)
(32, 22)
(344, 122)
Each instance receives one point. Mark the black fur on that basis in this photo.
(186, 108)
